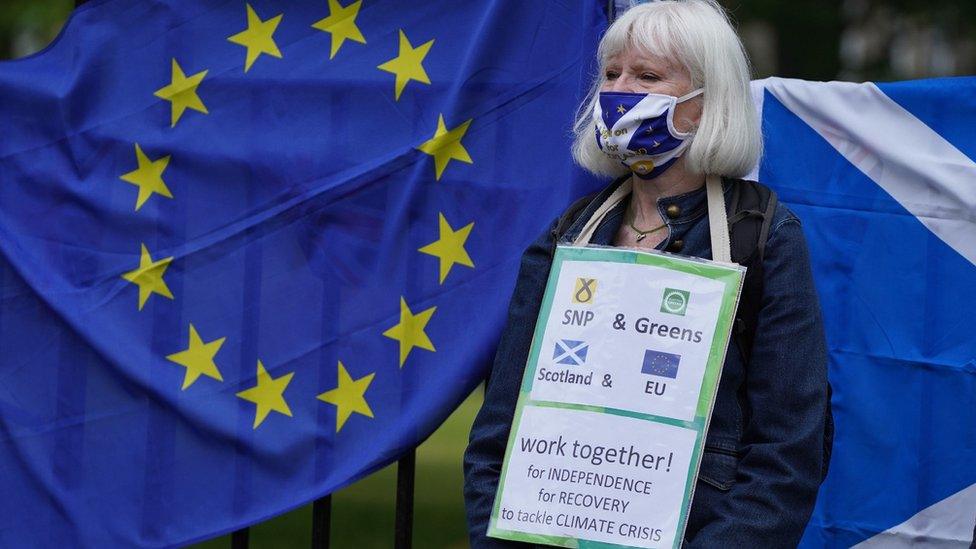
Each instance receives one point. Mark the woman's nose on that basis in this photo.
(622, 83)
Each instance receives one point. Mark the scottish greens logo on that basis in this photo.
(675, 302)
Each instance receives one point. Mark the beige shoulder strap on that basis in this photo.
(718, 222)
(594, 221)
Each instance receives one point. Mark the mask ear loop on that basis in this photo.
(674, 131)
(689, 95)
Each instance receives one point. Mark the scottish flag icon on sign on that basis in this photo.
(570, 351)
(661, 364)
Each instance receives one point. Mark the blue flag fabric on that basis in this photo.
(251, 252)
(884, 181)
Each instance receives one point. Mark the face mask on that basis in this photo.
(638, 130)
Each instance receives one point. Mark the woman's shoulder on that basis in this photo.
(786, 248)
(568, 223)
(753, 196)
(783, 215)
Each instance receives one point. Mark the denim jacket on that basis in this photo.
(761, 465)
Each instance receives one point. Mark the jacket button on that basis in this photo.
(673, 211)
(676, 246)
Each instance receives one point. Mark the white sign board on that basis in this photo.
(615, 400)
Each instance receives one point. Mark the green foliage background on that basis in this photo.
(31, 24)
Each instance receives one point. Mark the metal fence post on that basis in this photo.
(321, 522)
(239, 539)
(404, 500)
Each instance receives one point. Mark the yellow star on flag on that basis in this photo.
(268, 395)
(258, 37)
(182, 93)
(348, 397)
(198, 358)
(446, 145)
(410, 330)
(449, 248)
(341, 24)
(148, 176)
(149, 277)
(408, 65)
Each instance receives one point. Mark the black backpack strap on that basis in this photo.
(768, 212)
(750, 216)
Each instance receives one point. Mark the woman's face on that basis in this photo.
(636, 71)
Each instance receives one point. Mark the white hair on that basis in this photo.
(697, 35)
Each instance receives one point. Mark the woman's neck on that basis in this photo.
(674, 181)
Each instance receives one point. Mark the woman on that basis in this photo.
(763, 456)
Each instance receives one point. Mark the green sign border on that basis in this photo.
(732, 276)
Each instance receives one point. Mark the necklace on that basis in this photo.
(639, 234)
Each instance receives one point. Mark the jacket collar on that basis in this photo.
(675, 210)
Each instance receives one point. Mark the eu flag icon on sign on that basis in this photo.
(657, 363)
(570, 351)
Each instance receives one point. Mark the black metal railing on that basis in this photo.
(403, 532)
(322, 512)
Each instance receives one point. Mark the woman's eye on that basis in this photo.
(648, 76)
(612, 75)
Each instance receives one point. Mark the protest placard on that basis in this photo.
(615, 401)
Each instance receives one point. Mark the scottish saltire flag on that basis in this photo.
(883, 179)
(251, 252)
(570, 351)
(659, 363)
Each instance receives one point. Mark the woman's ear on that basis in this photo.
(687, 115)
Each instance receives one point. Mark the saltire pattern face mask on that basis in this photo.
(638, 130)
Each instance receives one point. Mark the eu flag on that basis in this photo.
(659, 363)
(251, 252)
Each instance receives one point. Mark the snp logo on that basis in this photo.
(585, 291)
(675, 302)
